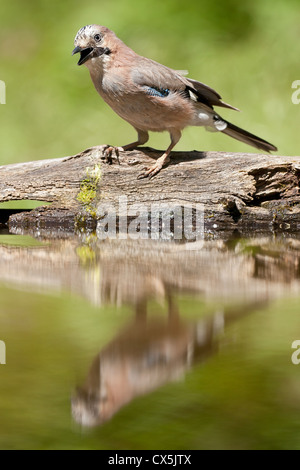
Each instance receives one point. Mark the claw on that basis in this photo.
(150, 172)
(108, 151)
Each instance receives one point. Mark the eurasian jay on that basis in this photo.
(151, 96)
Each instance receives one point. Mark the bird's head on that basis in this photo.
(91, 42)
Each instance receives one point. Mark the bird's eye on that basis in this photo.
(97, 37)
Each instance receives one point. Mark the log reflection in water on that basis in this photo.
(128, 271)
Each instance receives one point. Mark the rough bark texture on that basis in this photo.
(238, 191)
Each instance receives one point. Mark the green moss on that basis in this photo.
(86, 254)
(87, 195)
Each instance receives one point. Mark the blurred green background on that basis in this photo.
(248, 51)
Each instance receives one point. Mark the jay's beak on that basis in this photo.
(85, 54)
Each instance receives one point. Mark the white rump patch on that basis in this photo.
(220, 125)
(203, 116)
(193, 96)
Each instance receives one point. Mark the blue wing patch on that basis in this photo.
(154, 91)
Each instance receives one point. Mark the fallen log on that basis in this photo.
(239, 191)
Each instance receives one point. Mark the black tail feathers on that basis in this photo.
(248, 138)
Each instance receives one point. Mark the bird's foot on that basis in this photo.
(108, 151)
(151, 171)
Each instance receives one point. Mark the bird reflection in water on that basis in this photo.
(146, 355)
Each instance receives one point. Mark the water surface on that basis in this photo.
(129, 344)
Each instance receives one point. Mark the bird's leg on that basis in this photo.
(143, 137)
(175, 135)
(108, 150)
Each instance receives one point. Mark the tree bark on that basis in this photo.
(240, 191)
